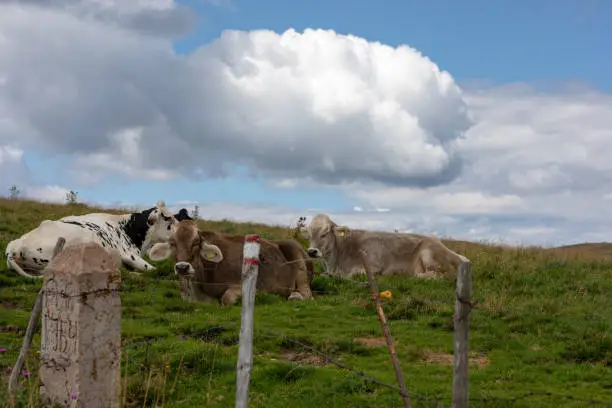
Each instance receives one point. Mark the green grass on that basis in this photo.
(543, 325)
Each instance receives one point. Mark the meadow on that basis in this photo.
(541, 334)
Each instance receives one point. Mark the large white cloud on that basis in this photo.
(315, 105)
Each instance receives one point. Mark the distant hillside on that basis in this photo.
(585, 250)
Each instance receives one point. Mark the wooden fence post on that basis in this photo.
(385, 328)
(250, 265)
(32, 326)
(462, 336)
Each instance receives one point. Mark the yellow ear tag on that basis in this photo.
(210, 255)
(386, 294)
(341, 234)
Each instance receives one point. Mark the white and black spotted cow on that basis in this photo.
(128, 235)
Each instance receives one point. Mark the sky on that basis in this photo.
(477, 120)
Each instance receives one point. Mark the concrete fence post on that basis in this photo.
(81, 329)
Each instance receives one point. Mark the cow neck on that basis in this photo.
(136, 227)
(335, 254)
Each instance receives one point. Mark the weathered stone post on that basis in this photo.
(81, 329)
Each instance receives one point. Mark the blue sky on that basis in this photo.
(534, 77)
(498, 41)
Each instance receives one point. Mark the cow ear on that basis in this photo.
(341, 230)
(211, 253)
(160, 251)
(304, 232)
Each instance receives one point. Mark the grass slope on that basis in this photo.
(543, 326)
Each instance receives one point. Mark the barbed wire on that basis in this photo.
(277, 335)
(269, 333)
(337, 294)
(475, 305)
(359, 373)
(397, 292)
(266, 332)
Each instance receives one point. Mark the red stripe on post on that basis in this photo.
(252, 238)
(251, 261)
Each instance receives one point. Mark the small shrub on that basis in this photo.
(72, 197)
(14, 192)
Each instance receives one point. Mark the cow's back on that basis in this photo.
(34, 250)
(405, 254)
(383, 252)
(275, 273)
(99, 218)
(215, 278)
(296, 257)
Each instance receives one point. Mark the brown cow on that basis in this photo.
(213, 264)
(345, 251)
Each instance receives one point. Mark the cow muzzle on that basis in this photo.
(314, 253)
(183, 268)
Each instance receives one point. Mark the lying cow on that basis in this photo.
(213, 263)
(130, 235)
(345, 251)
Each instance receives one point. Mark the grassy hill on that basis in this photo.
(541, 337)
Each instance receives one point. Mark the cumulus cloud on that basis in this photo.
(316, 105)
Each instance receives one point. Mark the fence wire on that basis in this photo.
(397, 292)
(475, 304)
(266, 332)
(269, 333)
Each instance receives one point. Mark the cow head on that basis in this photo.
(322, 235)
(159, 212)
(187, 247)
(159, 223)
